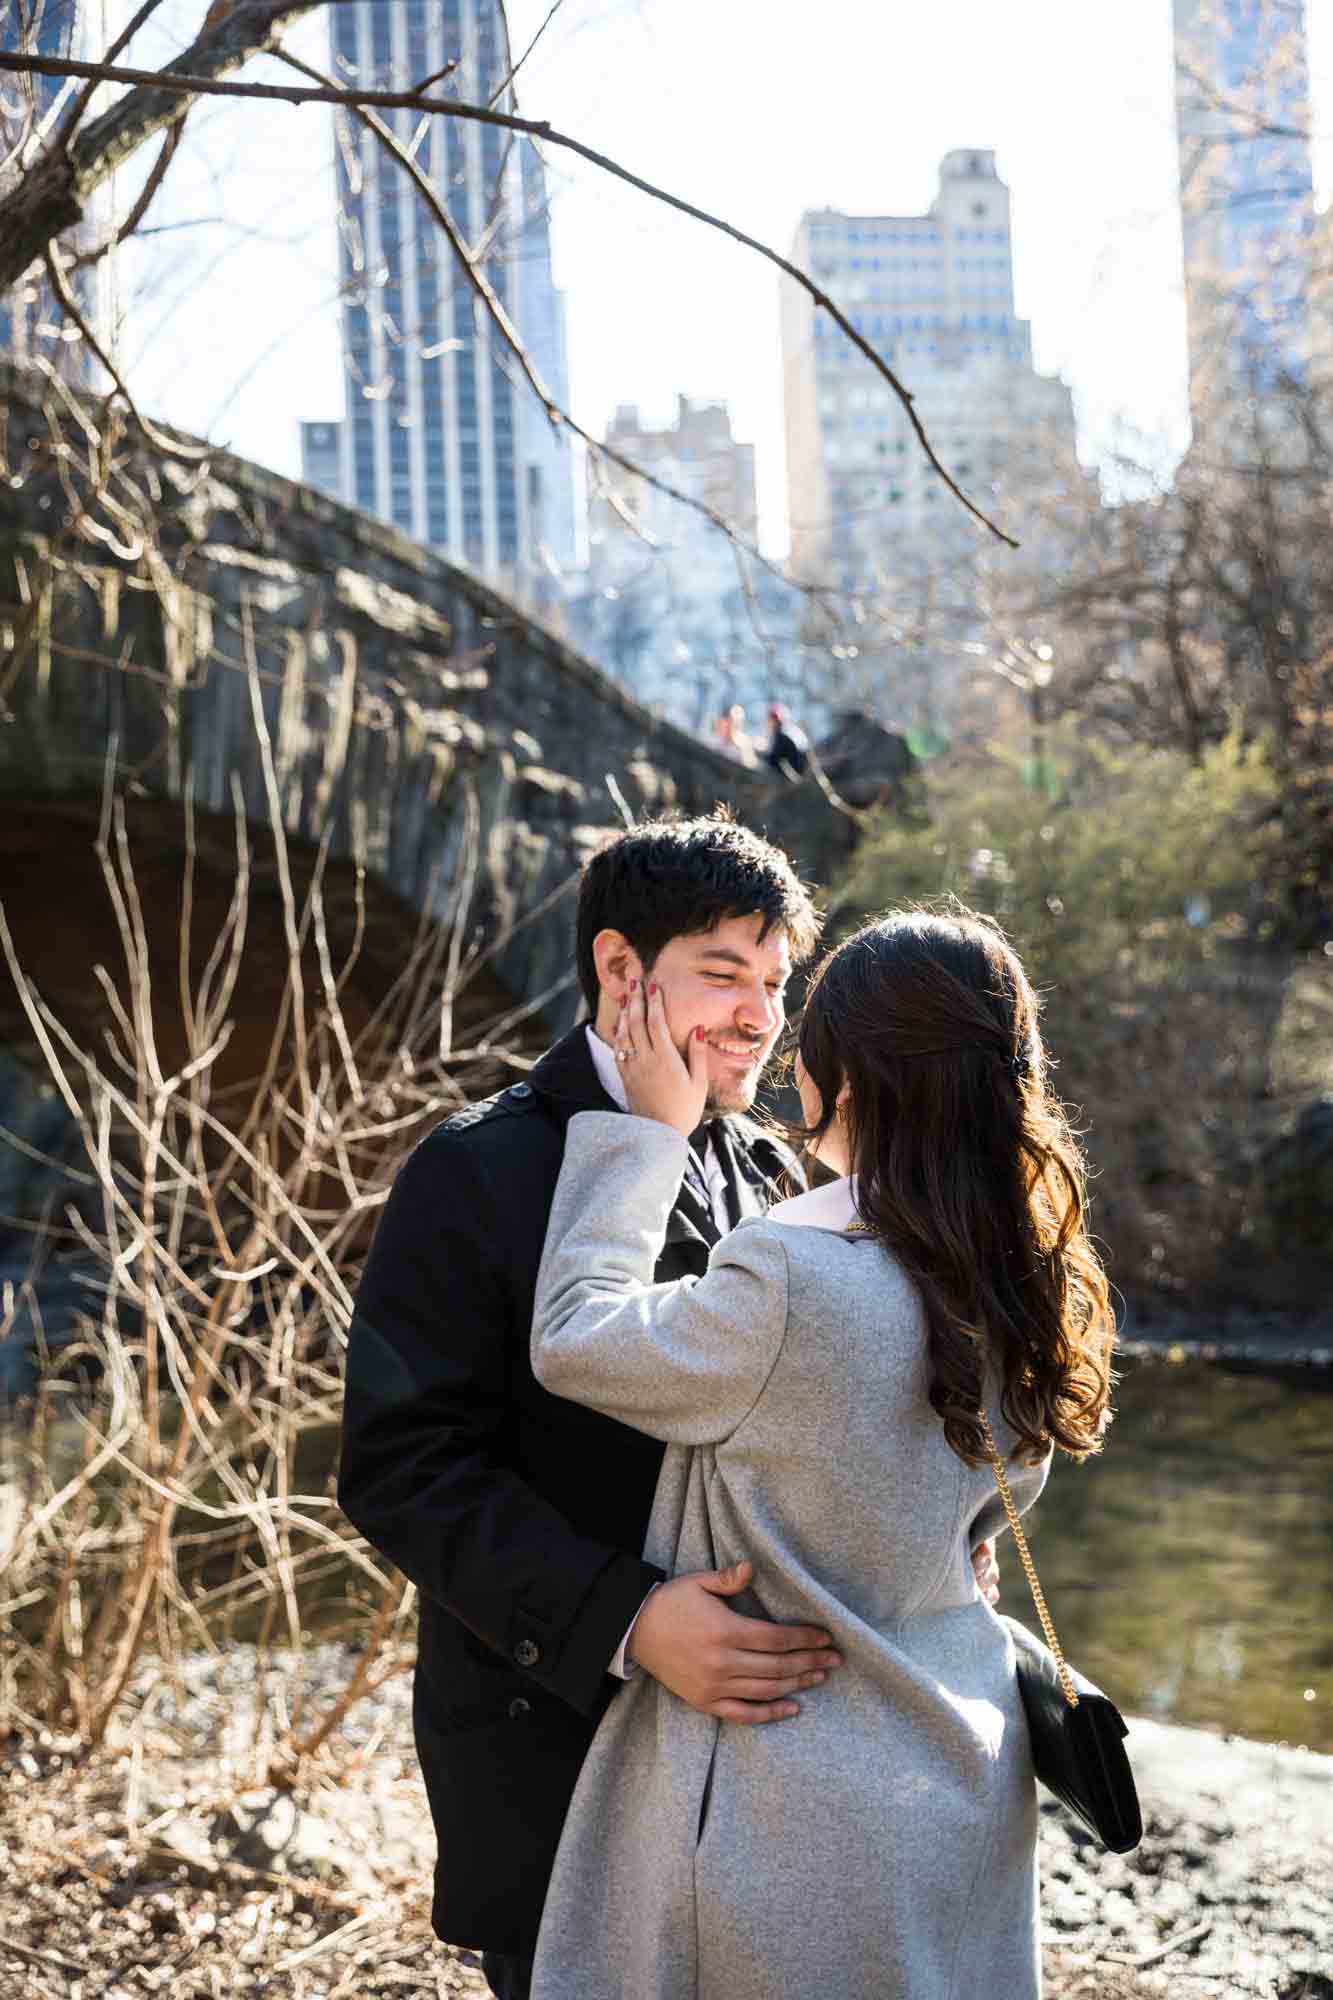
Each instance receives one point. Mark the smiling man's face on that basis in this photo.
(730, 983)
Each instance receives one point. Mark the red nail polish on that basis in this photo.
(698, 1034)
(651, 987)
(634, 986)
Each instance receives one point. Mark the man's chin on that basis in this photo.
(733, 1093)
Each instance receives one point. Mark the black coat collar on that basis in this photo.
(566, 1079)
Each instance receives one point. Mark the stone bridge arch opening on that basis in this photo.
(176, 879)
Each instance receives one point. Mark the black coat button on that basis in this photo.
(519, 1707)
(527, 1652)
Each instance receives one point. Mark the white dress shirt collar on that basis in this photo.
(607, 1068)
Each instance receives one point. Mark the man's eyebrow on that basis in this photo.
(730, 957)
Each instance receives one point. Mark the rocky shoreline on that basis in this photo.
(1272, 1340)
(173, 1864)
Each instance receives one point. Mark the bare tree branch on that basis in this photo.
(504, 326)
(147, 194)
(143, 13)
(508, 82)
(40, 202)
(106, 143)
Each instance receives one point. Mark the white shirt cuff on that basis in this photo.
(622, 1667)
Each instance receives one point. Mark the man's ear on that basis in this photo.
(617, 963)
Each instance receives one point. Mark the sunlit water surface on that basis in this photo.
(1189, 1568)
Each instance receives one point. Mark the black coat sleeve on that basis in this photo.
(423, 1472)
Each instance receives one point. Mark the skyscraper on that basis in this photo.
(442, 437)
(1246, 192)
(32, 325)
(934, 296)
(545, 452)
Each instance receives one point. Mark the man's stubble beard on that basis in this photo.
(719, 1102)
(726, 1097)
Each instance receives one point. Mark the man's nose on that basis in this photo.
(759, 1010)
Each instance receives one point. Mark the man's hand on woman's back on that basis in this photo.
(719, 1661)
(737, 1668)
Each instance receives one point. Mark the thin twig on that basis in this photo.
(157, 173)
(69, 305)
(45, 1958)
(508, 83)
(1161, 1951)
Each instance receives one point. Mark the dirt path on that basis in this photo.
(160, 1868)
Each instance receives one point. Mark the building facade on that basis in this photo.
(441, 436)
(686, 622)
(33, 328)
(870, 518)
(1246, 194)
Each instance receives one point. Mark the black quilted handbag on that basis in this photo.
(1078, 1735)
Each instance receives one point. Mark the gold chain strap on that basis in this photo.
(1016, 1529)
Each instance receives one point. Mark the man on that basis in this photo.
(520, 1517)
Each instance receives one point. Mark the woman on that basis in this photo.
(822, 1389)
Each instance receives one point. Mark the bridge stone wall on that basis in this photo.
(151, 604)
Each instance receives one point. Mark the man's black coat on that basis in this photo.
(519, 1517)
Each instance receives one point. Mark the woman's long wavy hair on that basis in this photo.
(966, 1168)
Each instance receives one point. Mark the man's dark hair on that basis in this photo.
(677, 877)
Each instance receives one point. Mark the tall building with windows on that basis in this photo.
(545, 456)
(441, 435)
(1246, 192)
(934, 295)
(32, 324)
(321, 457)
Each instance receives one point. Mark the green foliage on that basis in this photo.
(1138, 888)
(1135, 861)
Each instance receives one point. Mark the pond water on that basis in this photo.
(1189, 1568)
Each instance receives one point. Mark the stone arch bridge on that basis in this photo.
(403, 700)
(218, 635)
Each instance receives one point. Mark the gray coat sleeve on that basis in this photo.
(683, 1362)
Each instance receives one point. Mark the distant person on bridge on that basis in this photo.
(788, 751)
(734, 739)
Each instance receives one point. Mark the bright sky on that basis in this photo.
(756, 110)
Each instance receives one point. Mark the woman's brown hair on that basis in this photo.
(965, 1167)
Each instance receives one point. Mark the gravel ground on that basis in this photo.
(170, 1865)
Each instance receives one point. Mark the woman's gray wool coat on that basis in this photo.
(882, 1844)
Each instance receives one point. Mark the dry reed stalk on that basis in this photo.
(228, 1221)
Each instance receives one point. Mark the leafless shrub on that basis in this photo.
(173, 1489)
